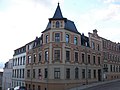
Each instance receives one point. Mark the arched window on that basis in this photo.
(67, 38)
(75, 40)
(57, 24)
(46, 39)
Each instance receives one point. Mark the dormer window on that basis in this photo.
(75, 40)
(57, 24)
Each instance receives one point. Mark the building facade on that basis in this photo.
(62, 58)
(19, 62)
(7, 75)
(1, 78)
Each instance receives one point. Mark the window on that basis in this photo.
(28, 73)
(46, 39)
(83, 73)
(67, 55)
(46, 55)
(68, 73)
(76, 73)
(57, 55)
(75, 40)
(89, 59)
(20, 60)
(99, 60)
(57, 37)
(93, 59)
(98, 47)
(67, 38)
(33, 73)
(76, 56)
(89, 73)
(23, 73)
(33, 87)
(46, 72)
(29, 59)
(39, 88)
(93, 45)
(40, 57)
(23, 60)
(34, 59)
(94, 73)
(39, 74)
(83, 58)
(57, 73)
(57, 24)
(111, 68)
(20, 73)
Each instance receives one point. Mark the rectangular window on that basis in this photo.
(67, 73)
(33, 87)
(89, 73)
(93, 59)
(76, 56)
(57, 55)
(20, 73)
(29, 59)
(33, 73)
(76, 73)
(23, 73)
(34, 59)
(20, 60)
(23, 60)
(98, 47)
(39, 74)
(46, 55)
(99, 60)
(83, 73)
(57, 37)
(89, 59)
(83, 58)
(94, 73)
(28, 73)
(46, 72)
(93, 45)
(39, 88)
(57, 73)
(40, 57)
(67, 55)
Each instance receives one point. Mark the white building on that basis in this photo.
(7, 75)
(19, 61)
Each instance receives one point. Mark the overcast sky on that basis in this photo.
(22, 20)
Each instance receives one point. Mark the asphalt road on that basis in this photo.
(108, 86)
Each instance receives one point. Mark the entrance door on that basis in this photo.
(99, 75)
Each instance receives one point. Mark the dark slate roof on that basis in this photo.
(58, 13)
(84, 41)
(69, 25)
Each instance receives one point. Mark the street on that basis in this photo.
(108, 86)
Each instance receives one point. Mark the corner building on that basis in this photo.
(62, 58)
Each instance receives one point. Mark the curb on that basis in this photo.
(93, 84)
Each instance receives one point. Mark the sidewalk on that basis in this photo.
(93, 84)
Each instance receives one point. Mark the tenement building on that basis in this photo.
(62, 57)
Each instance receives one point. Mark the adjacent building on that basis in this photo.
(7, 75)
(19, 62)
(1, 77)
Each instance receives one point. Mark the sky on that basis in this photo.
(22, 20)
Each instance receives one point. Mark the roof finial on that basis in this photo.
(58, 3)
